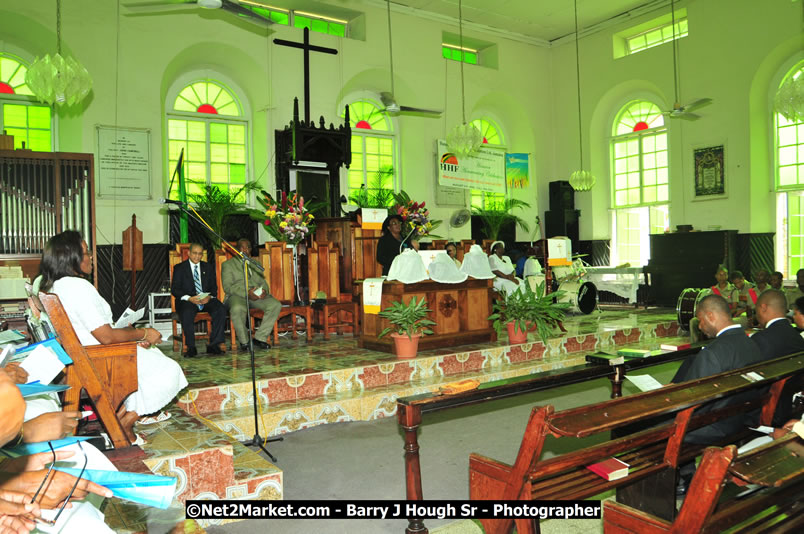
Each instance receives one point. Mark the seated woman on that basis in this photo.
(503, 269)
(389, 244)
(452, 252)
(65, 263)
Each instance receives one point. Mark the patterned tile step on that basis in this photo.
(207, 464)
(364, 405)
(128, 518)
(367, 375)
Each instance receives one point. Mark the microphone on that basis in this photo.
(169, 201)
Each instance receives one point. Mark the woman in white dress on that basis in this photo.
(503, 269)
(65, 262)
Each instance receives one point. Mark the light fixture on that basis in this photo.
(464, 139)
(59, 79)
(580, 180)
(789, 99)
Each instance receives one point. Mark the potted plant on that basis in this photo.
(217, 204)
(379, 193)
(497, 212)
(409, 321)
(518, 311)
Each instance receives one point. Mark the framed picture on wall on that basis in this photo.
(710, 172)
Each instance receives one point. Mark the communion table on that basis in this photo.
(460, 312)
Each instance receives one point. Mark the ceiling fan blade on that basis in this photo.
(237, 9)
(430, 113)
(695, 104)
(687, 116)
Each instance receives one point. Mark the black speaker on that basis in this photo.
(562, 196)
(563, 222)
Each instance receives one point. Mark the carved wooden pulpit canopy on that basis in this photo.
(304, 141)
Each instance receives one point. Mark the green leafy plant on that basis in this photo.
(379, 193)
(215, 204)
(497, 212)
(410, 318)
(526, 308)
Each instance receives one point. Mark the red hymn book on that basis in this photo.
(611, 469)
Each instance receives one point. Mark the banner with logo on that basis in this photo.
(516, 170)
(484, 171)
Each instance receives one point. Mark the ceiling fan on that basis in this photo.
(680, 111)
(392, 108)
(230, 6)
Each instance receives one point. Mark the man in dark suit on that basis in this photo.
(730, 349)
(191, 278)
(778, 339)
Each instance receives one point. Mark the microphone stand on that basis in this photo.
(257, 440)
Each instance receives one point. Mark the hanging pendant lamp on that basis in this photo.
(580, 180)
(464, 139)
(59, 79)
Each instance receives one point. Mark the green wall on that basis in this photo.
(735, 51)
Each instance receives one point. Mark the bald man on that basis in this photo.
(730, 349)
(778, 339)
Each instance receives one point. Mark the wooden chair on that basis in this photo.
(364, 259)
(438, 244)
(277, 260)
(463, 248)
(220, 257)
(323, 271)
(108, 373)
(175, 257)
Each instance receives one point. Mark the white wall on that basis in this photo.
(734, 49)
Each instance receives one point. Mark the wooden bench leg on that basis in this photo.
(325, 321)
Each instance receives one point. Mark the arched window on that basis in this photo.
(20, 114)
(789, 152)
(640, 180)
(492, 137)
(373, 148)
(206, 120)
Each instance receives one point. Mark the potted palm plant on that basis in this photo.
(497, 212)
(519, 311)
(217, 204)
(408, 323)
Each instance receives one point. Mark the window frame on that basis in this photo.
(477, 198)
(28, 101)
(391, 133)
(207, 119)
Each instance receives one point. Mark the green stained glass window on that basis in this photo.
(20, 115)
(215, 149)
(373, 143)
(790, 146)
(656, 36)
(492, 136)
(320, 25)
(276, 15)
(456, 54)
(641, 183)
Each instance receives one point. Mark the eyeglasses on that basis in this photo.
(44, 481)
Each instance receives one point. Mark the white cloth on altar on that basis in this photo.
(505, 266)
(408, 268)
(476, 264)
(443, 269)
(160, 378)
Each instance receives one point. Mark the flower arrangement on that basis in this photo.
(416, 222)
(289, 220)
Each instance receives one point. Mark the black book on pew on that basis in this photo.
(604, 358)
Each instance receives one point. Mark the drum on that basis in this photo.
(687, 304)
(582, 295)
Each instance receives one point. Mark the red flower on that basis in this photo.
(421, 205)
(267, 222)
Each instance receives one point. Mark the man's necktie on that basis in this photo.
(197, 279)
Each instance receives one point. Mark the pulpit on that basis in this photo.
(460, 312)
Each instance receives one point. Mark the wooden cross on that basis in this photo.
(307, 47)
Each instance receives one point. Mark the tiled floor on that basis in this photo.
(294, 358)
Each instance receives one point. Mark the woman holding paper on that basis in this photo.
(65, 263)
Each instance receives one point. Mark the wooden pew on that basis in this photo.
(108, 373)
(712, 503)
(410, 409)
(657, 451)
